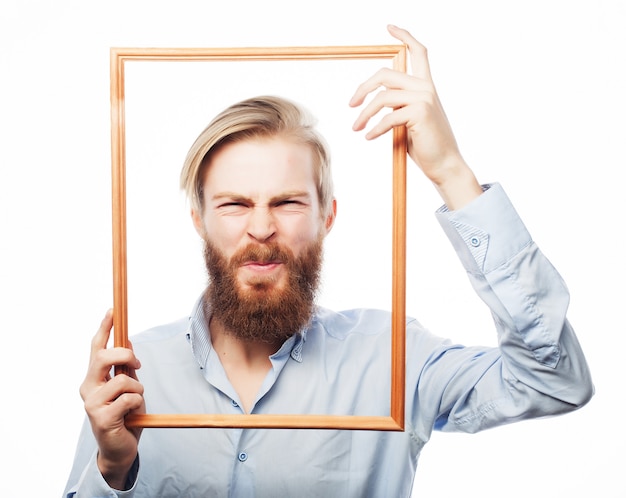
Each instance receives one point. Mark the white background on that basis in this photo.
(535, 93)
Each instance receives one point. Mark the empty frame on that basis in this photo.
(121, 61)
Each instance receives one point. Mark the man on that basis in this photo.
(259, 183)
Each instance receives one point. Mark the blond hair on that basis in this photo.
(264, 116)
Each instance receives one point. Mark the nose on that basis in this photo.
(261, 224)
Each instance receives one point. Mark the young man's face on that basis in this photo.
(257, 193)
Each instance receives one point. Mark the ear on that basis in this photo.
(198, 223)
(330, 219)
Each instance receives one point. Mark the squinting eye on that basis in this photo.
(232, 208)
(231, 204)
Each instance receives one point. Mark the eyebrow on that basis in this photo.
(277, 198)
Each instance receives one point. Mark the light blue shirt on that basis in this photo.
(340, 365)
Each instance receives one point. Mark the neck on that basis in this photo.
(231, 348)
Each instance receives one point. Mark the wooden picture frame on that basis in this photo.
(396, 54)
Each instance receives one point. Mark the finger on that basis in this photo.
(99, 371)
(118, 385)
(105, 359)
(101, 338)
(105, 416)
(117, 355)
(389, 121)
(128, 402)
(419, 55)
(387, 99)
(132, 371)
(110, 391)
(387, 78)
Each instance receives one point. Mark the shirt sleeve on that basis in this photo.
(538, 367)
(85, 478)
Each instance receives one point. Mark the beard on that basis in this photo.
(266, 310)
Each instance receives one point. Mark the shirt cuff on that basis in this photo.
(487, 232)
(92, 484)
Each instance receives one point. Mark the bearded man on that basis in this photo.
(259, 183)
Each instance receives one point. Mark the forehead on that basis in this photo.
(262, 164)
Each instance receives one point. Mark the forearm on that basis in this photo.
(458, 185)
(540, 365)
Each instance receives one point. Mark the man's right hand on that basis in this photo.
(107, 402)
(415, 105)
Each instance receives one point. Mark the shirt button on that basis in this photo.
(243, 456)
(234, 403)
(475, 241)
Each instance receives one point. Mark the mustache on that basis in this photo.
(261, 253)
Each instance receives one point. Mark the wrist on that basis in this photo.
(115, 473)
(457, 186)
